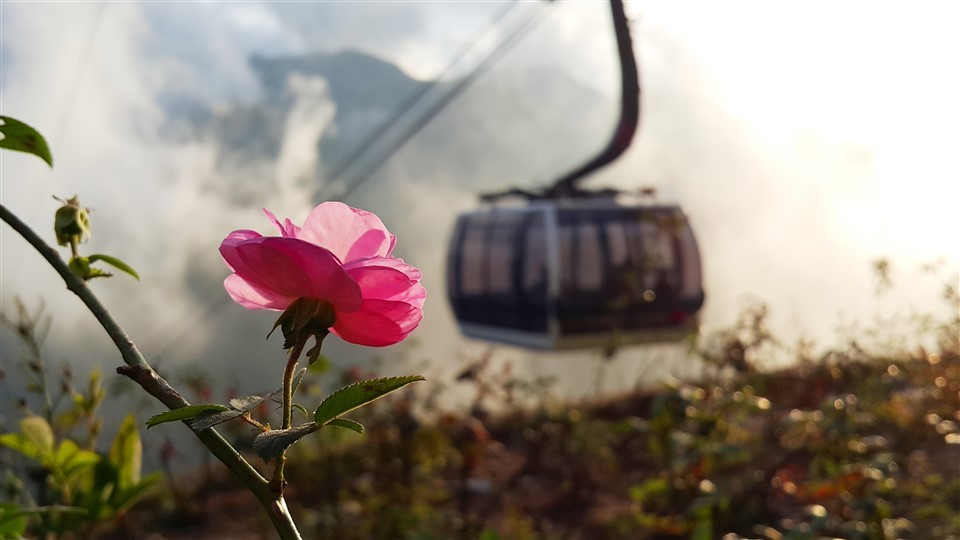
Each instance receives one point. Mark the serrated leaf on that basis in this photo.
(238, 407)
(184, 413)
(249, 403)
(210, 419)
(358, 394)
(23, 138)
(347, 424)
(114, 262)
(270, 444)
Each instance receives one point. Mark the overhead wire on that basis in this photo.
(512, 39)
(412, 99)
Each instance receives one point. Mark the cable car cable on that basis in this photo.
(508, 43)
(411, 100)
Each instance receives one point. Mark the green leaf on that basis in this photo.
(126, 453)
(184, 413)
(81, 267)
(209, 419)
(114, 262)
(70, 459)
(19, 443)
(270, 444)
(13, 521)
(34, 441)
(347, 424)
(358, 394)
(23, 138)
(249, 403)
(38, 431)
(238, 407)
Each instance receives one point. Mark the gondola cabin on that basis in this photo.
(575, 274)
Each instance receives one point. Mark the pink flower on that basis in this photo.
(341, 256)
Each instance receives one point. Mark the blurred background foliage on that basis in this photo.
(861, 442)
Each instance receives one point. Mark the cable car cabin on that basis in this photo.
(575, 274)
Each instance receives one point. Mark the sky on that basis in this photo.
(804, 141)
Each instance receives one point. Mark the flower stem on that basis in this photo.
(142, 373)
(288, 374)
(278, 482)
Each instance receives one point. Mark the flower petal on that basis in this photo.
(292, 268)
(286, 229)
(253, 297)
(392, 262)
(386, 278)
(348, 232)
(228, 248)
(378, 323)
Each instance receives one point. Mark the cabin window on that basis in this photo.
(472, 257)
(535, 264)
(502, 254)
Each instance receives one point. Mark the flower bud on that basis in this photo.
(71, 223)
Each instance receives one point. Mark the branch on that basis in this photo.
(139, 371)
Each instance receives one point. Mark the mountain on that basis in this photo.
(510, 127)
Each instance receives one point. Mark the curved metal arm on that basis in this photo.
(629, 109)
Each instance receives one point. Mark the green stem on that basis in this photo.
(141, 372)
(278, 482)
(288, 374)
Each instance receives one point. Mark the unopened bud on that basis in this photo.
(71, 223)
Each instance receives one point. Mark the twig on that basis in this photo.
(140, 372)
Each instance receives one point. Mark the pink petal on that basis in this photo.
(295, 268)
(386, 278)
(286, 229)
(369, 243)
(348, 232)
(378, 323)
(292, 229)
(228, 248)
(411, 271)
(253, 297)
